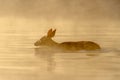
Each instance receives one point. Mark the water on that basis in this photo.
(21, 60)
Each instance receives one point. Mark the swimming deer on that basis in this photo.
(66, 46)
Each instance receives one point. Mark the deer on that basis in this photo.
(66, 46)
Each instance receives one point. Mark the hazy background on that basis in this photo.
(61, 9)
(79, 18)
(22, 22)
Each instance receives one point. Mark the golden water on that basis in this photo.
(21, 60)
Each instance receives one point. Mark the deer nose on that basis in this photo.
(36, 44)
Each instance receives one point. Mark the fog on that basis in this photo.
(61, 9)
(98, 18)
(23, 22)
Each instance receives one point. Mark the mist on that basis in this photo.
(71, 16)
(61, 9)
(23, 22)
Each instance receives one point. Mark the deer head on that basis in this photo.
(47, 40)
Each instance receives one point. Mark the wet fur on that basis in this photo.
(66, 46)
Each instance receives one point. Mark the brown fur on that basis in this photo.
(69, 46)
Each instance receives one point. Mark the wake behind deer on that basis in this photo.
(66, 46)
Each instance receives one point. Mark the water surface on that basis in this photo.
(21, 60)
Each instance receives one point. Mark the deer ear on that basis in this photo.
(51, 33)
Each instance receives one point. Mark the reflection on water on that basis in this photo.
(20, 60)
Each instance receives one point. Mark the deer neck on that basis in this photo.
(53, 43)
